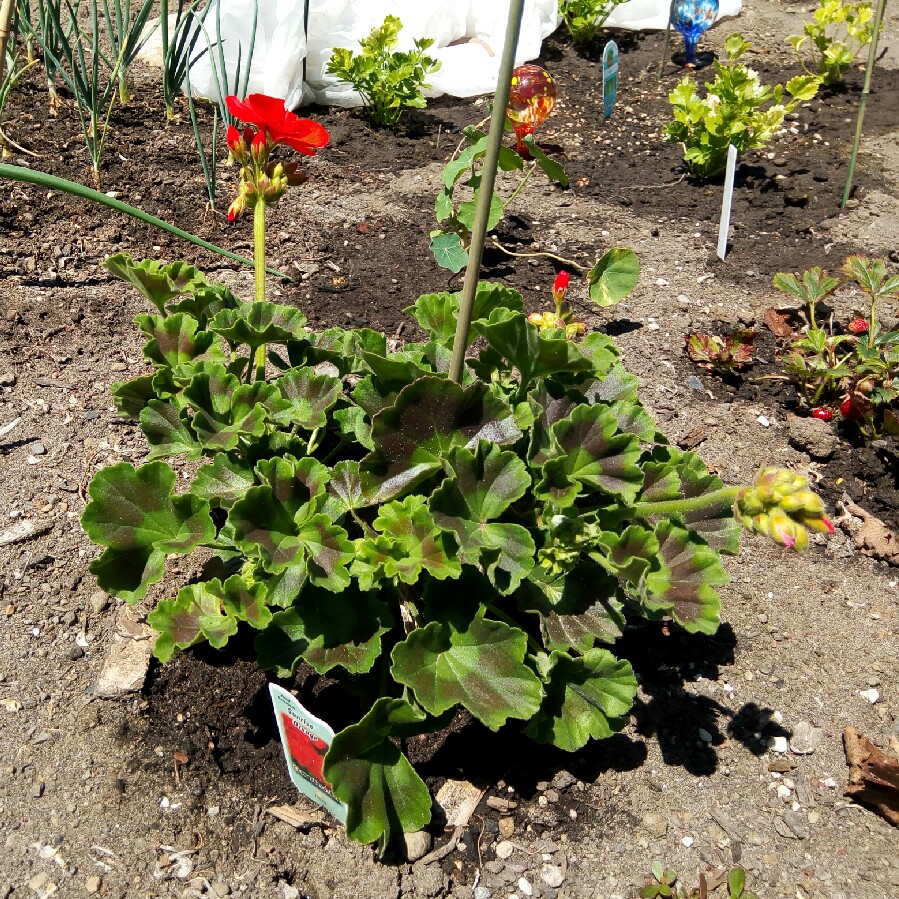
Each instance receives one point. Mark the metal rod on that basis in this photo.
(485, 191)
(872, 55)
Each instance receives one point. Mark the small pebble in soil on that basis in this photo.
(552, 876)
(687, 842)
(871, 695)
(504, 849)
(778, 744)
(806, 738)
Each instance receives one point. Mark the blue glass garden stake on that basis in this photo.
(692, 18)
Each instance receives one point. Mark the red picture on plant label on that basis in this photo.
(306, 750)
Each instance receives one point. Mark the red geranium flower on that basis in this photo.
(280, 126)
(561, 282)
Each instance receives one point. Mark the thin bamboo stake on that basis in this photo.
(872, 56)
(665, 48)
(7, 11)
(485, 194)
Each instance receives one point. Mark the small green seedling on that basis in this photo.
(585, 18)
(730, 353)
(666, 885)
(388, 80)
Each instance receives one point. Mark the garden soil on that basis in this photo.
(167, 791)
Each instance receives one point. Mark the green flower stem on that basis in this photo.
(259, 266)
(692, 504)
(51, 182)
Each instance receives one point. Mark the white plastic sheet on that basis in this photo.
(468, 40)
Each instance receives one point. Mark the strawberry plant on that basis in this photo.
(666, 885)
(387, 79)
(737, 109)
(854, 368)
(838, 32)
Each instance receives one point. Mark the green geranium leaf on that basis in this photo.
(673, 474)
(168, 432)
(345, 487)
(384, 796)
(613, 277)
(408, 543)
(575, 610)
(175, 340)
(429, 418)
(481, 668)
(222, 482)
(593, 454)
(326, 551)
(437, 313)
(255, 324)
(354, 423)
(484, 484)
(629, 554)
(264, 525)
(533, 353)
(345, 348)
(308, 398)
(684, 583)
(449, 252)
(586, 697)
(157, 281)
(195, 615)
(134, 514)
(205, 301)
(131, 397)
(226, 410)
(326, 633)
(294, 481)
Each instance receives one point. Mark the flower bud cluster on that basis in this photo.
(562, 317)
(779, 505)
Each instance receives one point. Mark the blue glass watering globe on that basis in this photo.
(692, 18)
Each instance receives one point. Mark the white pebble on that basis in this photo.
(871, 695)
(763, 421)
(688, 841)
(778, 744)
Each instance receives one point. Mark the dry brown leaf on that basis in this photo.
(777, 323)
(873, 776)
(873, 538)
(693, 439)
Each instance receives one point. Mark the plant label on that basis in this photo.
(609, 78)
(724, 225)
(305, 739)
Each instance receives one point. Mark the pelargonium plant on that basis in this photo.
(432, 545)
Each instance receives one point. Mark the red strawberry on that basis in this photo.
(848, 410)
(822, 413)
(857, 326)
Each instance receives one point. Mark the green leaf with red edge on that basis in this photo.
(197, 614)
(408, 544)
(591, 452)
(223, 482)
(307, 396)
(259, 323)
(168, 431)
(484, 483)
(576, 610)
(176, 340)
(586, 698)
(134, 513)
(226, 410)
(326, 633)
(427, 419)
(534, 353)
(705, 349)
(682, 583)
(481, 667)
(157, 281)
(673, 474)
(366, 769)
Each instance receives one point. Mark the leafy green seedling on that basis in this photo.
(729, 353)
(585, 18)
(737, 109)
(387, 79)
(833, 39)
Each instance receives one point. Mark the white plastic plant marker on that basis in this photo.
(305, 739)
(724, 225)
(609, 78)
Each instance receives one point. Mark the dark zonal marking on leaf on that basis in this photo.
(685, 584)
(258, 323)
(429, 418)
(310, 397)
(367, 771)
(482, 668)
(223, 482)
(167, 431)
(586, 697)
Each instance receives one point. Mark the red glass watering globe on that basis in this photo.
(532, 97)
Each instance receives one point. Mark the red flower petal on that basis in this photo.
(561, 282)
(269, 115)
